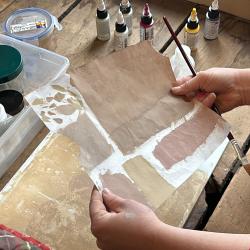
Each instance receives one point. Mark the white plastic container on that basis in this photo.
(40, 67)
(32, 25)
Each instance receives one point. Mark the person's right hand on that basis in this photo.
(121, 224)
(223, 82)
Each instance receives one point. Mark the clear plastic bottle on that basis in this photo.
(121, 33)
(102, 22)
(127, 11)
(212, 22)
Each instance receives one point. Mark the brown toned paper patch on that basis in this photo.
(129, 92)
(247, 168)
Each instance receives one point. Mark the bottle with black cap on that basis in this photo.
(127, 11)
(102, 22)
(212, 22)
(191, 33)
(121, 33)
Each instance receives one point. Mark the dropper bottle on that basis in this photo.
(146, 24)
(212, 22)
(191, 33)
(127, 11)
(102, 22)
(121, 33)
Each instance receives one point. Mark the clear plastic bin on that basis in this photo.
(40, 67)
(17, 137)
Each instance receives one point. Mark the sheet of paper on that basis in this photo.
(129, 92)
(125, 120)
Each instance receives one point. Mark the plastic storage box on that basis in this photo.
(32, 25)
(40, 67)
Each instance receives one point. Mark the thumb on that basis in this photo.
(188, 86)
(209, 100)
(113, 202)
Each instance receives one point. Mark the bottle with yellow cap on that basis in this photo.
(191, 33)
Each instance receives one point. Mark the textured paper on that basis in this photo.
(61, 109)
(247, 168)
(155, 188)
(122, 110)
(129, 92)
(122, 186)
(203, 123)
(50, 194)
(57, 105)
(139, 141)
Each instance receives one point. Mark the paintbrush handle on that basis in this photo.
(179, 46)
(214, 107)
(239, 152)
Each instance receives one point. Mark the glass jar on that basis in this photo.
(11, 69)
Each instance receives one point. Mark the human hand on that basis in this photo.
(220, 85)
(122, 224)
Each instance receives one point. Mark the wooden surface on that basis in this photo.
(50, 200)
(5, 4)
(77, 41)
(55, 7)
(230, 6)
(232, 214)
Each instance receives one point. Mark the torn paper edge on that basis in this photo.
(175, 176)
(179, 172)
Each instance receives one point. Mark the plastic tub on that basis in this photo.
(40, 67)
(32, 25)
(17, 137)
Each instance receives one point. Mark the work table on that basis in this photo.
(71, 190)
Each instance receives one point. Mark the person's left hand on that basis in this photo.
(120, 224)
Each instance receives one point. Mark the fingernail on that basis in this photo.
(106, 191)
(176, 89)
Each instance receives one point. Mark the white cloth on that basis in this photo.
(178, 63)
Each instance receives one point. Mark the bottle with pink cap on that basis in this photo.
(146, 24)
